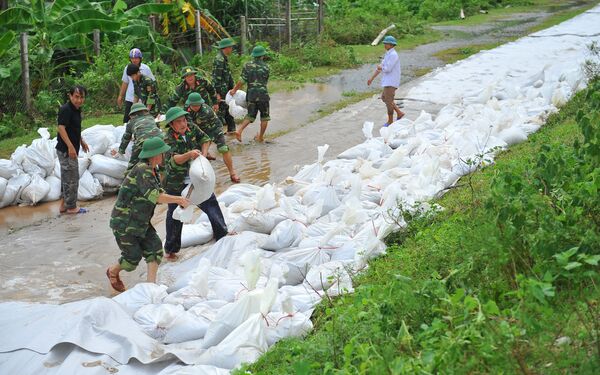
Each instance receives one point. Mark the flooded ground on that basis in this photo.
(52, 258)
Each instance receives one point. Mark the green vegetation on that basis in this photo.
(504, 280)
(452, 55)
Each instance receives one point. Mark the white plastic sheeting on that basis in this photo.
(228, 304)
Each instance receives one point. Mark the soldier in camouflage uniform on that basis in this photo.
(223, 81)
(145, 89)
(141, 126)
(255, 74)
(185, 141)
(130, 218)
(193, 82)
(205, 118)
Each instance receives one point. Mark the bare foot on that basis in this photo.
(234, 178)
(259, 139)
(238, 136)
(76, 210)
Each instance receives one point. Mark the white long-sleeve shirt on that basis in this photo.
(390, 69)
(145, 70)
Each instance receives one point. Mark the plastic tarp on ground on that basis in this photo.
(305, 238)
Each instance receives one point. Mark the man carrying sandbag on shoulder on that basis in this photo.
(141, 126)
(187, 142)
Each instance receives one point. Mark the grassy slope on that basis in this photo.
(453, 247)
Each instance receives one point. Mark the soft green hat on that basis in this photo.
(259, 51)
(227, 42)
(152, 147)
(194, 99)
(137, 107)
(389, 40)
(174, 113)
(187, 70)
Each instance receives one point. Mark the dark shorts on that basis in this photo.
(388, 96)
(134, 248)
(259, 106)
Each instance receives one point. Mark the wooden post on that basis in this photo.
(288, 22)
(96, 42)
(320, 18)
(153, 22)
(198, 34)
(25, 72)
(244, 33)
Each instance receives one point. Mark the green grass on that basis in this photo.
(452, 55)
(375, 329)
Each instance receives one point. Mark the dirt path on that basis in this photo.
(63, 258)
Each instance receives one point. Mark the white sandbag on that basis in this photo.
(140, 295)
(281, 325)
(332, 277)
(37, 190)
(237, 192)
(13, 190)
(287, 233)
(321, 194)
(561, 95)
(239, 97)
(98, 138)
(195, 234)
(186, 327)
(304, 259)
(250, 260)
(82, 164)
(115, 147)
(31, 168)
(42, 151)
(54, 193)
(108, 166)
(237, 112)
(266, 198)
(256, 221)
(513, 136)
(8, 169)
(3, 183)
(202, 177)
(18, 155)
(185, 215)
(89, 187)
(186, 297)
(302, 297)
(243, 345)
(156, 319)
(108, 181)
(309, 173)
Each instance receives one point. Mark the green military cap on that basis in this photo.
(389, 40)
(152, 147)
(259, 51)
(227, 42)
(174, 113)
(137, 107)
(187, 70)
(194, 99)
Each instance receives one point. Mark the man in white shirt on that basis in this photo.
(390, 80)
(135, 56)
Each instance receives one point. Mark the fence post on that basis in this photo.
(198, 34)
(320, 18)
(244, 32)
(152, 20)
(25, 72)
(288, 22)
(96, 42)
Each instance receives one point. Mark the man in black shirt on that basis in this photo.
(67, 148)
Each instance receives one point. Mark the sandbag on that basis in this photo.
(237, 112)
(140, 295)
(89, 187)
(195, 234)
(37, 190)
(13, 189)
(42, 151)
(108, 181)
(108, 166)
(237, 192)
(82, 164)
(256, 221)
(54, 193)
(186, 327)
(98, 138)
(287, 233)
(8, 169)
(281, 325)
(202, 177)
(239, 97)
(156, 319)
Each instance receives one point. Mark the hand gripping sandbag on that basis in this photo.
(202, 176)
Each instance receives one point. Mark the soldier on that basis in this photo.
(141, 126)
(130, 218)
(193, 82)
(255, 74)
(135, 57)
(223, 81)
(205, 118)
(145, 89)
(184, 141)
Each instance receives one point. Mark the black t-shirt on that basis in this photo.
(70, 117)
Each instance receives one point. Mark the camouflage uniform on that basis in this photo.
(223, 82)
(256, 74)
(203, 87)
(146, 90)
(209, 123)
(141, 127)
(130, 218)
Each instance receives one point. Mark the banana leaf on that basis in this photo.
(147, 9)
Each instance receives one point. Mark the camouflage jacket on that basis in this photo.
(221, 75)
(203, 87)
(180, 144)
(146, 90)
(256, 74)
(136, 201)
(139, 128)
(206, 120)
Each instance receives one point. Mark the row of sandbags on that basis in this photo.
(32, 174)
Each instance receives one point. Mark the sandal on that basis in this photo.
(80, 211)
(400, 116)
(115, 281)
(235, 179)
(210, 157)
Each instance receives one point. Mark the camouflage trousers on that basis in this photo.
(69, 179)
(215, 132)
(133, 248)
(135, 156)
